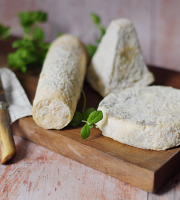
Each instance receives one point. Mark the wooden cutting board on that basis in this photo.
(145, 169)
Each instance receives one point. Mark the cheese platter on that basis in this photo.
(146, 169)
(132, 113)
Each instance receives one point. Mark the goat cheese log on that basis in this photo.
(147, 117)
(118, 62)
(60, 83)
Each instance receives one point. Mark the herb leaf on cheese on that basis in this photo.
(86, 113)
(91, 49)
(4, 31)
(94, 117)
(31, 49)
(77, 119)
(89, 116)
(97, 21)
(85, 131)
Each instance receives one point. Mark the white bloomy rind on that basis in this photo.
(118, 62)
(147, 118)
(60, 83)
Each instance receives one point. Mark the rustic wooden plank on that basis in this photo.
(96, 142)
(153, 168)
(170, 191)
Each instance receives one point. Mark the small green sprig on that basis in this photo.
(4, 32)
(88, 116)
(31, 49)
(97, 21)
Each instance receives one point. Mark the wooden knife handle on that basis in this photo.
(8, 148)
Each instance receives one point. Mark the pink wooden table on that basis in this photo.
(38, 173)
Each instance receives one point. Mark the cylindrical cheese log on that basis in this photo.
(60, 83)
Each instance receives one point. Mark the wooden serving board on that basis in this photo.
(145, 169)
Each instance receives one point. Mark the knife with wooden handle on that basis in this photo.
(8, 148)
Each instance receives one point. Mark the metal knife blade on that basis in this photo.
(8, 148)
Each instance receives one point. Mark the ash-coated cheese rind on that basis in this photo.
(118, 62)
(147, 117)
(60, 83)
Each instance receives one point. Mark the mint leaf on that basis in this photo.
(95, 18)
(77, 119)
(85, 131)
(95, 116)
(86, 113)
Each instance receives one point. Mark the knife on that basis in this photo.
(8, 148)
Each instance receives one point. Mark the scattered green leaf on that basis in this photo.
(4, 31)
(31, 49)
(85, 131)
(38, 34)
(95, 116)
(97, 21)
(91, 49)
(89, 116)
(77, 119)
(87, 112)
(95, 18)
(27, 19)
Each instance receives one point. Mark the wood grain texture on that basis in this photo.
(38, 173)
(152, 168)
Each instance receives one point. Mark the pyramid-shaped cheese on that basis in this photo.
(118, 63)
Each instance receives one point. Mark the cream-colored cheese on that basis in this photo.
(60, 83)
(147, 117)
(118, 62)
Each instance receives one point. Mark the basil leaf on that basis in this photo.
(96, 19)
(77, 119)
(86, 113)
(95, 116)
(85, 131)
(90, 125)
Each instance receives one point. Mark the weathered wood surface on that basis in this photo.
(41, 174)
(38, 173)
(145, 169)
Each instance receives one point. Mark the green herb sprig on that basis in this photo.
(97, 21)
(88, 116)
(31, 49)
(4, 32)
